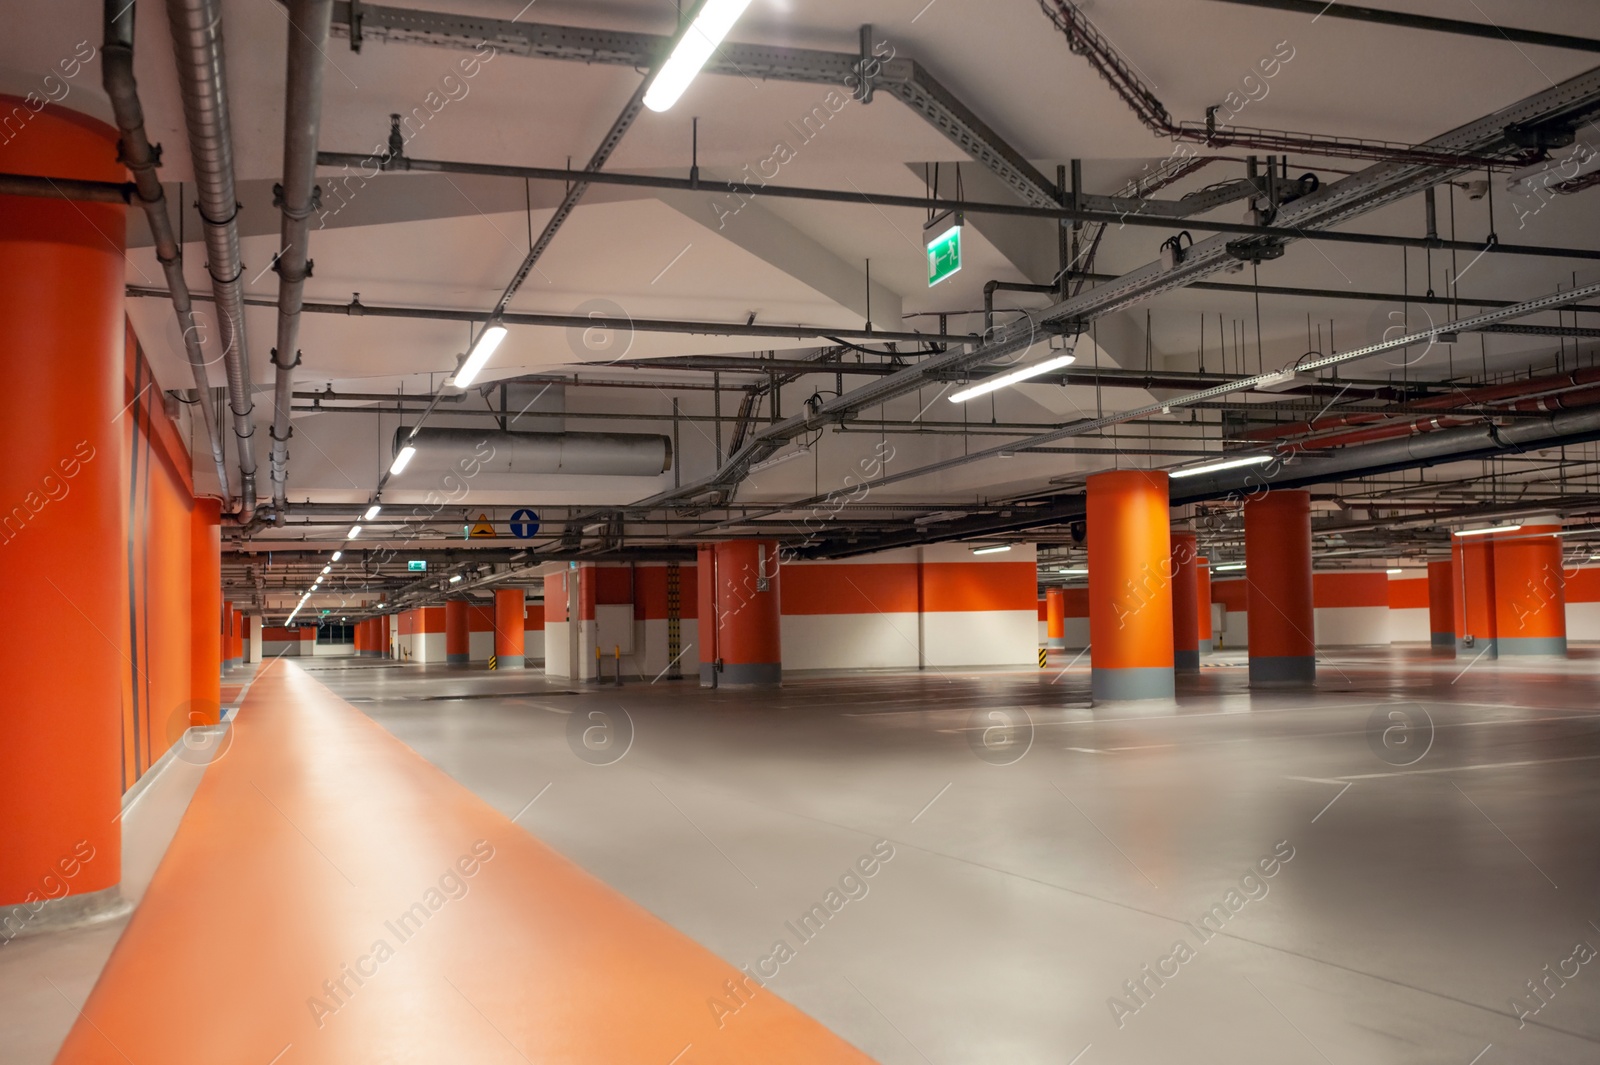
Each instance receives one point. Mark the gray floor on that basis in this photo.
(1440, 859)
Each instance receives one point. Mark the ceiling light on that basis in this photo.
(994, 550)
(1073, 572)
(709, 26)
(456, 579)
(327, 569)
(355, 531)
(1486, 532)
(337, 555)
(484, 347)
(1394, 572)
(398, 466)
(943, 515)
(1225, 464)
(991, 384)
(1228, 566)
(372, 512)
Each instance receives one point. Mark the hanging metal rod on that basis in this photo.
(1319, 8)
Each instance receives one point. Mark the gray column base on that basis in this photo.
(1206, 646)
(1532, 645)
(1186, 661)
(751, 675)
(1442, 640)
(1119, 685)
(1056, 643)
(1283, 669)
(457, 660)
(1477, 649)
(510, 662)
(69, 911)
(708, 674)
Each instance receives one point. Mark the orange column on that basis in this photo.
(362, 628)
(63, 545)
(205, 612)
(1530, 590)
(1277, 552)
(748, 646)
(384, 636)
(1442, 605)
(457, 632)
(1130, 593)
(1055, 610)
(246, 622)
(1472, 562)
(1185, 596)
(509, 619)
(1202, 605)
(236, 638)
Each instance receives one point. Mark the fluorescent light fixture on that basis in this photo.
(456, 579)
(1228, 566)
(1394, 572)
(995, 550)
(482, 348)
(337, 555)
(327, 569)
(999, 381)
(401, 461)
(355, 531)
(1486, 532)
(943, 515)
(1073, 572)
(711, 24)
(778, 460)
(1257, 459)
(372, 512)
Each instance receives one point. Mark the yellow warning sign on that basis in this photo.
(482, 529)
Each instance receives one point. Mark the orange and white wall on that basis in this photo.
(1409, 616)
(625, 611)
(931, 606)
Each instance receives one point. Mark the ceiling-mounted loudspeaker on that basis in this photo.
(1080, 532)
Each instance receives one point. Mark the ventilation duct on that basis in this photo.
(584, 454)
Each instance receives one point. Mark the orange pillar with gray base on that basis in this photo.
(510, 613)
(1185, 594)
(745, 646)
(1055, 612)
(205, 612)
(1442, 606)
(1472, 561)
(236, 638)
(457, 632)
(62, 539)
(1277, 552)
(1130, 592)
(1204, 635)
(227, 634)
(1530, 589)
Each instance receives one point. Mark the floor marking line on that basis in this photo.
(931, 802)
(1470, 768)
(1348, 785)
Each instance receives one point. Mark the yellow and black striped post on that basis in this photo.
(1043, 657)
(494, 663)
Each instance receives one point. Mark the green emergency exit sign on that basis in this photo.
(417, 565)
(944, 247)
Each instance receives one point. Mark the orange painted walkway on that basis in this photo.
(332, 897)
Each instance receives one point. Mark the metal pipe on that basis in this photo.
(203, 85)
(1317, 8)
(923, 203)
(58, 188)
(522, 454)
(141, 159)
(308, 40)
(990, 288)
